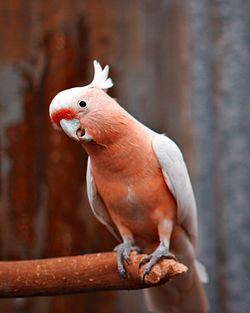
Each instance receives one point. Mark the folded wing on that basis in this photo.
(176, 176)
(98, 206)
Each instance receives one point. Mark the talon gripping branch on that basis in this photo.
(138, 186)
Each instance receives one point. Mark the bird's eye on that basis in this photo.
(82, 104)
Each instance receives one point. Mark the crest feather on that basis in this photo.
(101, 79)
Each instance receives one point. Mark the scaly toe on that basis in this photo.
(145, 260)
(170, 255)
(153, 258)
(150, 264)
(122, 253)
(121, 270)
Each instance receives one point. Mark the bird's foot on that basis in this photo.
(122, 254)
(161, 252)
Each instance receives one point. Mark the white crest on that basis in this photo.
(101, 79)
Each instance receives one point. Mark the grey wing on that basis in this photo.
(177, 179)
(97, 205)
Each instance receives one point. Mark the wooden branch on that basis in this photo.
(86, 273)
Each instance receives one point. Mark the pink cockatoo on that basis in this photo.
(138, 186)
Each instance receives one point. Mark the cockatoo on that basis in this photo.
(138, 186)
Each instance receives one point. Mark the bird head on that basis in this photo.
(87, 113)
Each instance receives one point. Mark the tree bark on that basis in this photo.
(86, 273)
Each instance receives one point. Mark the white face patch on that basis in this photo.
(68, 98)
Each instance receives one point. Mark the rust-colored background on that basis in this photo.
(181, 67)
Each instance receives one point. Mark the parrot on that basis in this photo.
(138, 186)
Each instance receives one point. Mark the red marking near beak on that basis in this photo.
(67, 114)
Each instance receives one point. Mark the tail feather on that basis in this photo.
(201, 271)
(184, 294)
(171, 299)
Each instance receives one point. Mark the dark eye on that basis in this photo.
(82, 104)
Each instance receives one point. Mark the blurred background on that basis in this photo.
(181, 67)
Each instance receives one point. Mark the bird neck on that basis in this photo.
(118, 144)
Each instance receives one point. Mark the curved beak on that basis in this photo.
(71, 127)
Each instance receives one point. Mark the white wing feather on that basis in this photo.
(201, 271)
(177, 179)
(97, 205)
(101, 79)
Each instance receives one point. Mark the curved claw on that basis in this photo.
(123, 251)
(153, 258)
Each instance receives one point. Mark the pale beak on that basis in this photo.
(71, 127)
